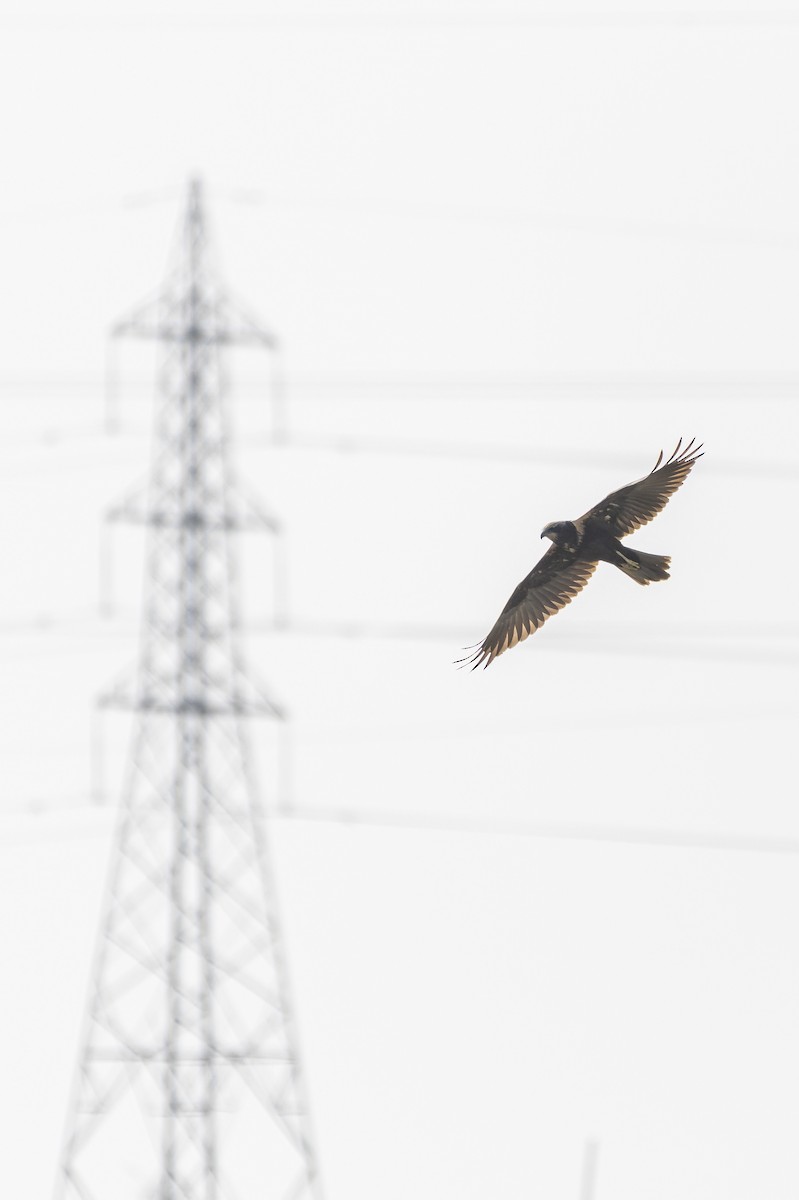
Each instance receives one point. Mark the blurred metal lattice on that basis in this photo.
(189, 1085)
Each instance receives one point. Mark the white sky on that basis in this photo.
(569, 232)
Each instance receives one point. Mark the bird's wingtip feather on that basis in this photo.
(688, 454)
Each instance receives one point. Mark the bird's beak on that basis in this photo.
(541, 536)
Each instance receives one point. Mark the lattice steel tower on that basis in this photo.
(189, 1086)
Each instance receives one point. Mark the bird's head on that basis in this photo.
(562, 533)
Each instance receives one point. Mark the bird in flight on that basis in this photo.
(577, 547)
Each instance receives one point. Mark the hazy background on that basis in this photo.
(511, 251)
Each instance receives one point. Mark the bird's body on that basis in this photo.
(590, 538)
(579, 545)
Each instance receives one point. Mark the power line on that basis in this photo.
(415, 448)
(39, 833)
(53, 437)
(618, 644)
(581, 223)
(612, 835)
(485, 384)
(414, 209)
(57, 623)
(657, 838)
(441, 732)
(613, 641)
(26, 471)
(441, 451)
(460, 729)
(400, 447)
(466, 451)
(85, 206)
(487, 20)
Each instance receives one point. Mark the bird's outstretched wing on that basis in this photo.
(632, 506)
(553, 582)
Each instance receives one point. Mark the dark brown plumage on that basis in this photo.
(578, 546)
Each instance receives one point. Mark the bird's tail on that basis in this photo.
(643, 568)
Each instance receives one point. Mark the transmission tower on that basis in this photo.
(189, 1085)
